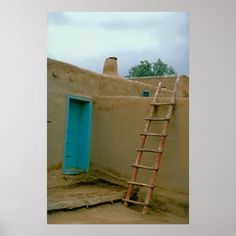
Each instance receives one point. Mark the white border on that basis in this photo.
(23, 117)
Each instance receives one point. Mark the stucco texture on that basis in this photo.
(118, 113)
(167, 82)
(64, 79)
(117, 123)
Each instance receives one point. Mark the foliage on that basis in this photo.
(145, 68)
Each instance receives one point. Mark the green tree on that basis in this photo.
(145, 68)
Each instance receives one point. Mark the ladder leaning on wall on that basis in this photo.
(163, 134)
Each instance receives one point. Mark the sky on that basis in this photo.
(86, 39)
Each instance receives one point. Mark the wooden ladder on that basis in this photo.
(163, 134)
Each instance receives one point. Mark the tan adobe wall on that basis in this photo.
(116, 123)
(117, 117)
(168, 82)
(65, 78)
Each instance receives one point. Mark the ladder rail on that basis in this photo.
(161, 145)
(142, 142)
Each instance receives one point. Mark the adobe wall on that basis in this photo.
(117, 118)
(168, 82)
(67, 78)
(117, 121)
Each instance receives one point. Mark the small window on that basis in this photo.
(145, 93)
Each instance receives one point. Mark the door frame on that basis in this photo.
(85, 100)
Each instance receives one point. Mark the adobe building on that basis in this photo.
(94, 120)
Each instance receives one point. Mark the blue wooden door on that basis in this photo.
(77, 136)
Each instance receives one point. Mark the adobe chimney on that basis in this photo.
(110, 66)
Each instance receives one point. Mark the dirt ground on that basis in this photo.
(89, 199)
(115, 213)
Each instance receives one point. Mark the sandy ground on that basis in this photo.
(89, 187)
(115, 213)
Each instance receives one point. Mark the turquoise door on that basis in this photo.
(77, 135)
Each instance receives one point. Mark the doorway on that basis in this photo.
(77, 135)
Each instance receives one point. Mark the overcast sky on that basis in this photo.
(85, 39)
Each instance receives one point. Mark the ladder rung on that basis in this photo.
(154, 134)
(148, 150)
(144, 167)
(157, 119)
(164, 132)
(170, 89)
(140, 184)
(136, 202)
(162, 103)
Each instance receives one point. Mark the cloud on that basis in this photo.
(69, 41)
(87, 38)
(58, 18)
(143, 21)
